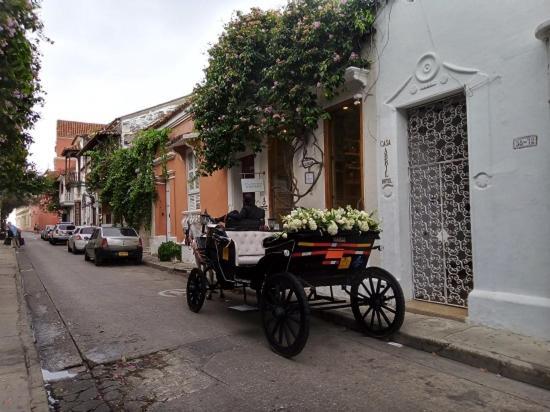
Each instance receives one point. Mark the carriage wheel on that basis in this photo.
(377, 302)
(285, 314)
(196, 289)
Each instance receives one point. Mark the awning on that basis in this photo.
(182, 142)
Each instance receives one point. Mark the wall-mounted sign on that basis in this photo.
(309, 177)
(525, 141)
(252, 185)
(387, 183)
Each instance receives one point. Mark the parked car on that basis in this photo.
(77, 241)
(61, 233)
(114, 242)
(44, 235)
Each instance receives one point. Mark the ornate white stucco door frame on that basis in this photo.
(431, 79)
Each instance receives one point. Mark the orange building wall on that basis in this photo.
(214, 193)
(178, 199)
(43, 218)
(213, 190)
(38, 216)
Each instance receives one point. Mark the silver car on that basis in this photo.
(77, 241)
(61, 233)
(113, 242)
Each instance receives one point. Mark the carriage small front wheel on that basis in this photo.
(285, 314)
(196, 289)
(377, 302)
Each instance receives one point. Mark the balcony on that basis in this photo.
(66, 198)
(71, 179)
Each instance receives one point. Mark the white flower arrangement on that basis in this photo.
(330, 221)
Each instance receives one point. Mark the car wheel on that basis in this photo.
(86, 257)
(98, 261)
(69, 248)
(138, 260)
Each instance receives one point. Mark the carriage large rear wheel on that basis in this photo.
(196, 289)
(285, 314)
(377, 302)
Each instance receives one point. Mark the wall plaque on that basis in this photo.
(252, 185)
(525, 141)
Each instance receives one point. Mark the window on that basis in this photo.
(119, 231)
(87, 230)
(193, 190)
(66, 227)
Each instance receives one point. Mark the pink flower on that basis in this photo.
(353, 56)
(316, 24)
(336, 57)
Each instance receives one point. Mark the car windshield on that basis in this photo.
(119, 231)
(87, 230)
(66, 227)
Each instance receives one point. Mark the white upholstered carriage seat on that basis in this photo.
(248, 246)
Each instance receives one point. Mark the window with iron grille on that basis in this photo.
(193, 189)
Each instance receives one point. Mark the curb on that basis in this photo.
(164, 268)
(36, 385)
(531, 373)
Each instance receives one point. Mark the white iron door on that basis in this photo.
(440, 202)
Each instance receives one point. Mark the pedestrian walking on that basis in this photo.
(14, 234)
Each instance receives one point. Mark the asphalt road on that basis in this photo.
(127, 344)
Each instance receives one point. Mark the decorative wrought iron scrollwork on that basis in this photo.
(440, 202)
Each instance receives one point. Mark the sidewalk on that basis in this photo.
(21, 385)
(514, 356)
(177, 267)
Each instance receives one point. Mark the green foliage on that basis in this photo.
(268, 70)
(124, 177)
(169, 250)
(20, 92)
(49, 199)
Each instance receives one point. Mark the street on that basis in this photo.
(127, 341)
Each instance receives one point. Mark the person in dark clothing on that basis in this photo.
(250, 217)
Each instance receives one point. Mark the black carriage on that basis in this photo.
(288, 275)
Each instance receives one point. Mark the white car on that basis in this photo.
(61, 233)
(78, 240)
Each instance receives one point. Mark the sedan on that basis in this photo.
(45, 234)
(61, 233)
(77, 241)
(112, 242)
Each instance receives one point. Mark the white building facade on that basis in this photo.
(447, 136)
(463, 128)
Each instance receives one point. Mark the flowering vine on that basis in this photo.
(267, 72)
(124, 177)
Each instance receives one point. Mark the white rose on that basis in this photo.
(363, 226)
(312, 224)
(348, 224)
(332, 228)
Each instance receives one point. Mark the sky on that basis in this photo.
(114, 57)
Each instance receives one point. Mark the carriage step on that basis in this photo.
(244, 308)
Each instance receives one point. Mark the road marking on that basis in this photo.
(172, 293)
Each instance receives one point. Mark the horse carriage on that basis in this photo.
(288, 273)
